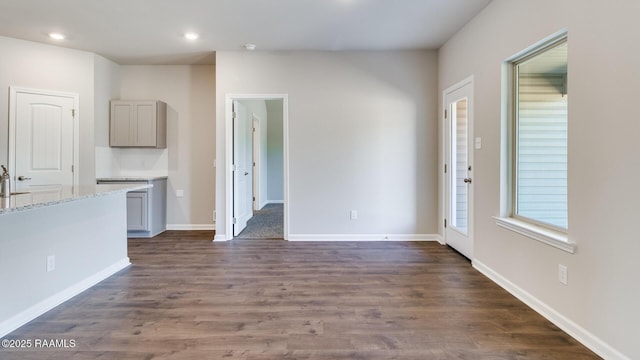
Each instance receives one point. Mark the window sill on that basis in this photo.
(550, 237)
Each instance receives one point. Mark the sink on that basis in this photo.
(20, 193)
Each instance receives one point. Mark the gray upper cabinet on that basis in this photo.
(138, 123)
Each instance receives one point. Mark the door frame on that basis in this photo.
(445, 133)
(256, 122)
(13, 104)
(229, 98)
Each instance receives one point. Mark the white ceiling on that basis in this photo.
(151, 31)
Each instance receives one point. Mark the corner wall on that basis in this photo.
(46, 67)
(362, 136)
(600, 304)
(188, 160)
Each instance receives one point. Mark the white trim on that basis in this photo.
(365, 237)
(579, 333)
(51, 302)
(256, 167)
(506, 219)
(550, 237)
(220, 238)
(228, 195)
(13, 94)
(187, 227)
(274, 202)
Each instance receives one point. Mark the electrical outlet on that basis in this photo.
(179, 193)
(51, 263)
(353, 215)
(563, 274)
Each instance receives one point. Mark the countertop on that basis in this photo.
(132, 178)
(41, 196)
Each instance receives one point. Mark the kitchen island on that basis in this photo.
(57, 242)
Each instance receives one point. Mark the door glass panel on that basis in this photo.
(459, 164)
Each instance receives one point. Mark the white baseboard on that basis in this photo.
(439, 238)
(220, 237)
(364, 237)
(45, 305)
(187, 227)
(576, 331)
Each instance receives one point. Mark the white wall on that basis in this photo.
(106, 87)
(275, 152)
(188, 159)
(600, 303)
(88, 239)
(39, 66)
(362, 136)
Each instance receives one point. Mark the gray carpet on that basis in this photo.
(267, 223)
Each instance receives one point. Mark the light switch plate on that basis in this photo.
(478, 143)
(563, 274)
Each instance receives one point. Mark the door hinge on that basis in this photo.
(445, 113)
(234, 115)
(73, 112)
(235, 221)
(445, 168)
(254, 199)
(72, 168)
(445, 223)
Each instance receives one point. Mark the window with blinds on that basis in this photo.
(539, 171)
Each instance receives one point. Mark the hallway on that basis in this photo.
(267, 223)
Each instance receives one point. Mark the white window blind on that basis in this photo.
(541, 149)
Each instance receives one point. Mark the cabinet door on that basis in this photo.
(121, 120)
(137, 212)
(145, 123)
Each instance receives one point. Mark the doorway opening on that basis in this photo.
(258, 167)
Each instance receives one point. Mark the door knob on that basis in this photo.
(467, 180)
(22, 178)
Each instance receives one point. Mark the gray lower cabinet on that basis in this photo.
(146, 209)
(137, 211)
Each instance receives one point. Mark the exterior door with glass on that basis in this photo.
(458, 125)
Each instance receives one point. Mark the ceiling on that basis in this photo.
(152, 31)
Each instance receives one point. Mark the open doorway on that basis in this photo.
(258, 176)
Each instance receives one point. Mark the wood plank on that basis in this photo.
(186, 297)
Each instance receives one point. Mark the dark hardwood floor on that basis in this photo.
(185, 297)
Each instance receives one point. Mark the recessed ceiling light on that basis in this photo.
(57, 36)
(191, 36)
(250, 47)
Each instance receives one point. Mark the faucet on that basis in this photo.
(5, 183)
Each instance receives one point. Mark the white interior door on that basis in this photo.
(43, 146)
(243, 163)
(458, 163)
